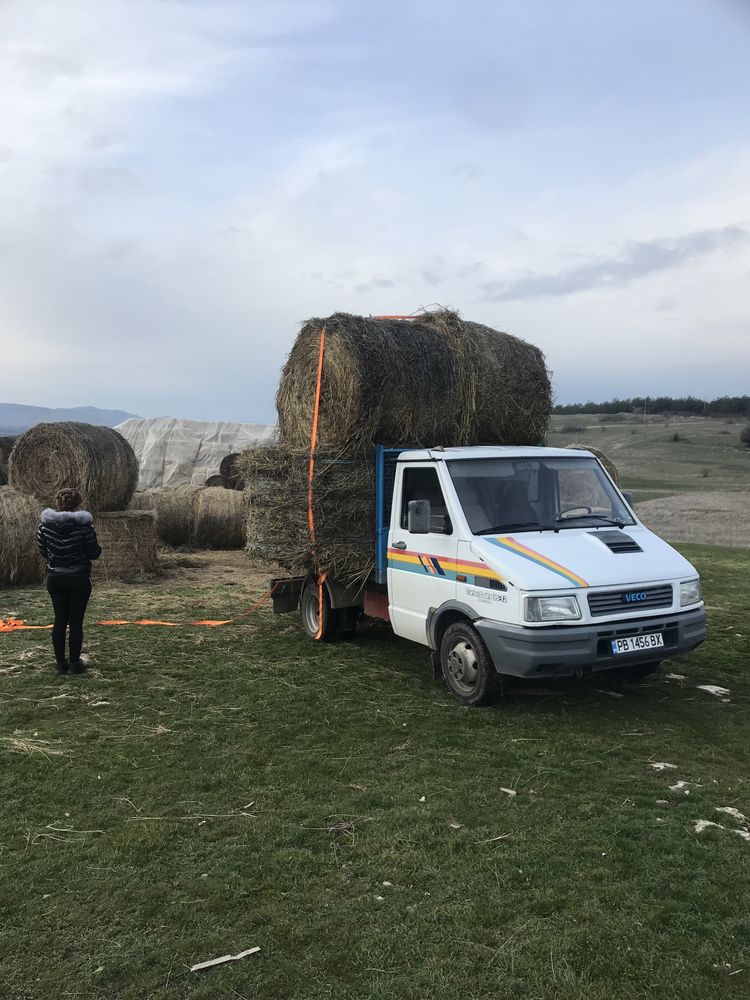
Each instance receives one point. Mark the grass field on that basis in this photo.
(204, 791)
(707, 454)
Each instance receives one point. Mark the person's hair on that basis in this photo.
(69, 500)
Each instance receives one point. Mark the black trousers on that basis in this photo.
(70, 595)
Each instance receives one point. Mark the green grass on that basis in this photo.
(130, 849)
(707, 456)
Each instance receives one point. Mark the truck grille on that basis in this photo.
(617, 602)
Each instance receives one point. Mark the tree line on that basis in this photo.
(723, 406)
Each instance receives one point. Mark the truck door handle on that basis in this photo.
(399, 545)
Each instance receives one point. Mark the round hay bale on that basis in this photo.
(95, 460)
(174, 512)
(435, 380)
(230, 470)
(128, 541)
(3, 475)
(219, 519)
(20, 562)
(6, 447)
(608, 464)
(220, 481)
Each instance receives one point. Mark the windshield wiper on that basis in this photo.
(500, 529)
(617, 522)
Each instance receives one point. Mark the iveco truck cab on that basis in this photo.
(512, 562)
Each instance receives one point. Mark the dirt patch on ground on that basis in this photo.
(712, 518)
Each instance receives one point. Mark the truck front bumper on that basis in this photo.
(577, 649)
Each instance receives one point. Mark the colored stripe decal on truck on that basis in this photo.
(511, 545)
(421, 562)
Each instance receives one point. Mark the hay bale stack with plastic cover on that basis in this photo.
(218, 519)
(276, 499)
(128, 541)
(97, 461)
(20, 562)
(435, 380)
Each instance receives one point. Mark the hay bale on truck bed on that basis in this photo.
(128, 541)
(20, 562)
(276, 499)
(95, 460)
(218, 519)
(435, 380)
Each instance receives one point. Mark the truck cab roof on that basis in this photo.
(486, 451)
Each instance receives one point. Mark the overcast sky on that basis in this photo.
(183, 181)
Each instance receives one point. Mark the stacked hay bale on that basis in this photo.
(128, 541)
(436, 380)
(195, 516)
(20, 562)
(218, 519)
(101, 465)
(220, 481)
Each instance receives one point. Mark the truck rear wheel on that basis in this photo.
(318, 618)
(468, 670)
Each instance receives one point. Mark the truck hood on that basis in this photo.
(579, 557)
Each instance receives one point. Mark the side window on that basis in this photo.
(423, 484)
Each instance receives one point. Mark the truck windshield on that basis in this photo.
(521, 494)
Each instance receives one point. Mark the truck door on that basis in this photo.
(421, 573)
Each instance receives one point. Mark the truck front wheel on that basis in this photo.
(317, 615)
(468, 670)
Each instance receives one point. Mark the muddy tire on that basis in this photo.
(468, 671)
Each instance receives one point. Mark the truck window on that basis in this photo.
(423, 484)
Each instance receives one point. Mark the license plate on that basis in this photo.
(637, 643)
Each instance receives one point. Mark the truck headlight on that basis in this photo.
(690, 593)
(551, 609)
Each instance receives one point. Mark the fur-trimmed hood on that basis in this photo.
(80, 517)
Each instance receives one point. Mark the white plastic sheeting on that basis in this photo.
(174, 452)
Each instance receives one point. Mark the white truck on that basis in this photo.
(511, 561)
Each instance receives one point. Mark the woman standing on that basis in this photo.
(68, 542)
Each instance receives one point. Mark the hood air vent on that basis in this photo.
(617, 541)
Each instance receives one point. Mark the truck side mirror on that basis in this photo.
(418, 517)
(628, 494)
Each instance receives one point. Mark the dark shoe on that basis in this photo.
(61, 668)
(76, 668)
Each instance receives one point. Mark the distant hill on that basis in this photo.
(16, 418)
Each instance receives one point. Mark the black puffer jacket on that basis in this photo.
(68, 542)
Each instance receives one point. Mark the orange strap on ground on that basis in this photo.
(314, 437)
(12, 624)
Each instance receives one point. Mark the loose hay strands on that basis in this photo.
(128, 541)
(218, 519)
(276, 499)
(20, 562)
(95, 460)
(437, 380)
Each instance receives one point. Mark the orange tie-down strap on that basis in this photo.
(12, 624)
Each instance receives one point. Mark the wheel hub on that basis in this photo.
(462, 665)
